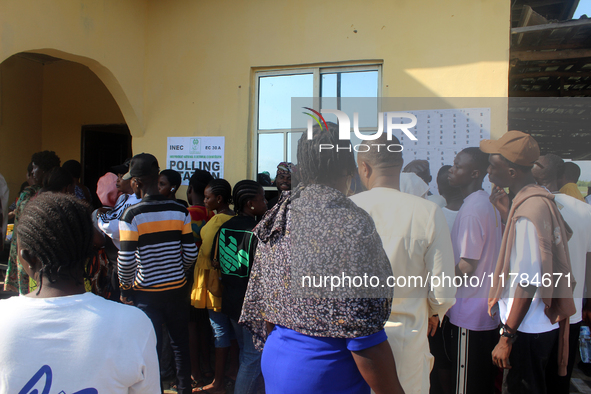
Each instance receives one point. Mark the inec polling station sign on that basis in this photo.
(187, 154)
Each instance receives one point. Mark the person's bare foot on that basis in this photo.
(211, 388)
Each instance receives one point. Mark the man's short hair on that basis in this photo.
(554, 168)
(174, 178)
(479, 158)
(379, 156)
(445, 189)
(572, 172)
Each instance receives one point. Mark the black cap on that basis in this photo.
(121, 168)
(143, 164)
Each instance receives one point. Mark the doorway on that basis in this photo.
(103, 146)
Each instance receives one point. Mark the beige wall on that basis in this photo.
(105, 35)
(186, 67)
(21, 104)
(201, 55)
(73, 96)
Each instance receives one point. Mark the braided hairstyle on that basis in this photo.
(244, 191)
(57, 229)
(316, 166)
(221, 187)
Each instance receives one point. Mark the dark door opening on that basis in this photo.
(103, 146)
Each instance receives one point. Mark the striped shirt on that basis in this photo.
(108, 222)
(157, 245)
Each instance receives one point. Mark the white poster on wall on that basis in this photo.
(441, 134)
(187, 154)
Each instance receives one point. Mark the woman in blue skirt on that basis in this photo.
(314, 300)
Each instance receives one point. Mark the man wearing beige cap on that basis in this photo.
(532, 283)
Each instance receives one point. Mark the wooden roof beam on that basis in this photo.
(551, 55)
(570, 11)
(557, 46)
(565, 74)
(551, 26)
(550, 93)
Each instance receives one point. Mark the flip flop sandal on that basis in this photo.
(197, 383)
(210, 391)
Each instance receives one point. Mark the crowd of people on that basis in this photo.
(168, 276)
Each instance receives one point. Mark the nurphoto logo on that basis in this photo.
(345, 129)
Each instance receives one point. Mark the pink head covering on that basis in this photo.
(106, 189)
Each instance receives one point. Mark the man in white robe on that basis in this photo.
(416, 239)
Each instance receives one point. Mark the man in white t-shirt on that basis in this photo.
(469, 333)
(531, 299)
(416, 240)
(577, 215)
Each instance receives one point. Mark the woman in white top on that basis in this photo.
(60, 338)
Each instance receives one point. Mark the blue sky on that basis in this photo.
(583, 8)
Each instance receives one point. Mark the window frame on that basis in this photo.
(317, 71)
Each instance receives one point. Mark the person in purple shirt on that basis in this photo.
(469, 333)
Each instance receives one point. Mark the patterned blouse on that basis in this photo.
(313, 233)
(16, 277)
(199, 217)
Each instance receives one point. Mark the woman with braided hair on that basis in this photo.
(320, 339)
(59, 336)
